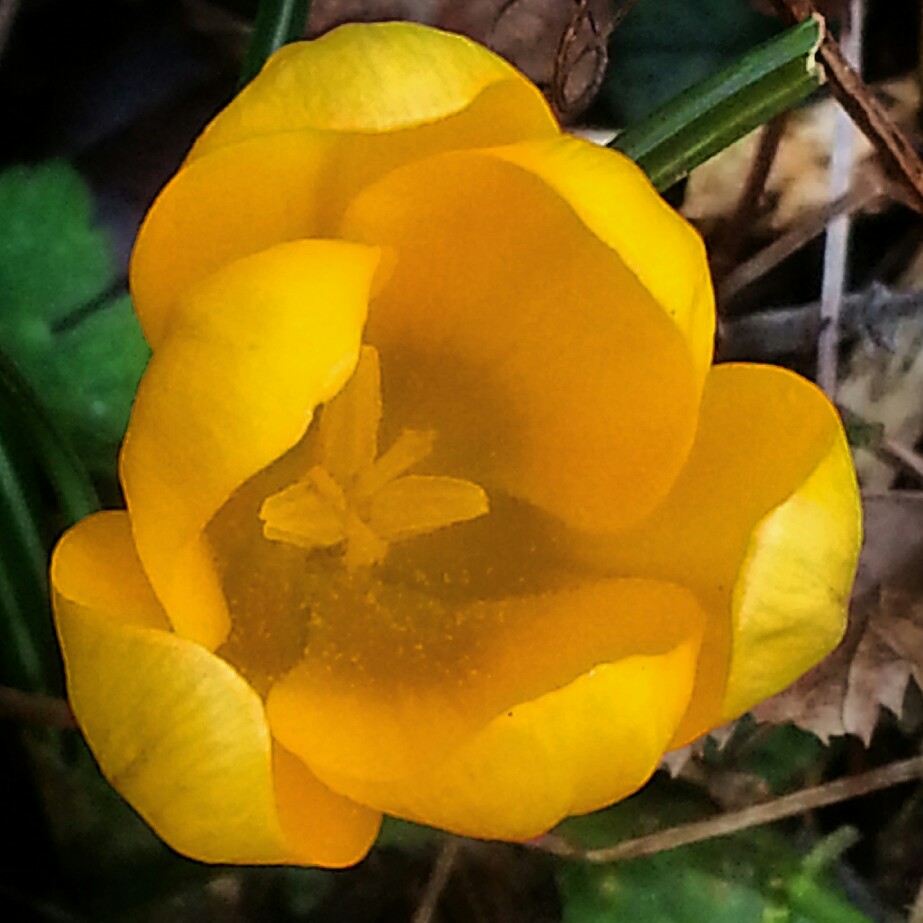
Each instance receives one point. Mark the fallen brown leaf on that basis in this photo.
(883, 647)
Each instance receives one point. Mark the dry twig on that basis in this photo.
(8, 11)
(894, 148)
(860, 198)
(727, 247)
(909, 459)
(442, 871)
(34, 708)
(836, 243)
(807, 799)
(764, 335)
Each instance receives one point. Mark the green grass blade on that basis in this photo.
(277, 23)
(73, 488)
(708, 117)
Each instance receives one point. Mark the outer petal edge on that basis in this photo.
(569, 708)
(791, 600)
(765, 510)
(224, 397)
(175, 729)
(375, 78)
(615, 200)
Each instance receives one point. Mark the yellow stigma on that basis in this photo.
(357, 500)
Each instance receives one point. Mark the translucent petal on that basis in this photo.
(379, 78)
(323, 828)
(176, 730)
(571, 751)
(790, 600)
(283, 160)
(389, 694)
(530, 347)
(225, 394)
(614, 198)
(764, 524)
(235, 203)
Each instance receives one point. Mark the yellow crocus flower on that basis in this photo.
(435, 504)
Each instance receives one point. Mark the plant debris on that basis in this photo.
(883, 646)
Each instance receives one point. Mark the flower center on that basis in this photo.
(358, 502)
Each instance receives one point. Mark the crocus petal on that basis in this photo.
(249, 354)
(580, 399)
(381, 78)
(320, 826)
(237, 202)
(281, 162)
(284, 159)
(175, 729)
(764, 524)
(380, 704)
(790, 600)
(613, 197)
(571, 751)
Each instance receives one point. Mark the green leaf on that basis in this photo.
(402, 834)
(63, 321)
(52, 260)
(656, 891)
(713, 114)
(783, 756)
(751, 877)
(35, 466)
(100, 362)
(665, 46)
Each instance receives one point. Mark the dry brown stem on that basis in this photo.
(807, 799)
(910, 460)
(563, 105)
(34, 708)
(8, 11)
(897, 154)
(442, 871)
(863, 196)
(727, 247)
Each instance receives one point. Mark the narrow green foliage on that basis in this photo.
(36, 465)
(48, 451)
(666, 46)
(715, 113)
(26, 642)
(278, 22)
